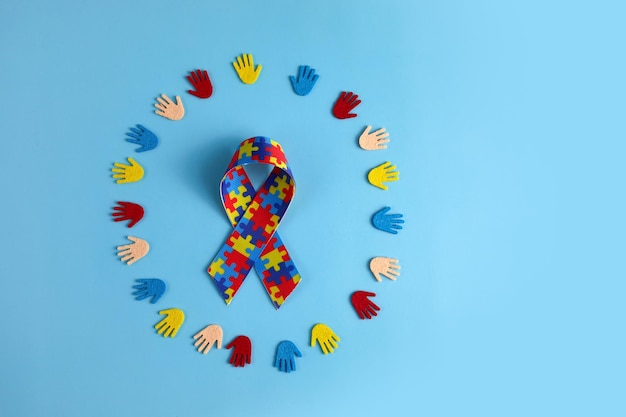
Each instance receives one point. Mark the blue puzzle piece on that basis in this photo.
(278, 277)
(229, 185)
(229, 272)
(247, 228)
(223, 284)
(264, 148)
(280, 207)
(277, 205)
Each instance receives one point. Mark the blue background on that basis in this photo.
(506, 120)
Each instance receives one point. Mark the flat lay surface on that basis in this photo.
(475, 149)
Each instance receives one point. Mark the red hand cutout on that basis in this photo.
(242, 352)
(363, 306)
(201, 82)
(345, 104)
(127, 211)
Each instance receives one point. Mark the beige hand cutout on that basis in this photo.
(384, 266)
(167, 108)
(206, 337)
(134, 251)
(373, 141)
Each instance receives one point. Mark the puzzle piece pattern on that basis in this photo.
(260, 150)
(255, 216)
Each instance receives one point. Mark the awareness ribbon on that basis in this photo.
(255, 216)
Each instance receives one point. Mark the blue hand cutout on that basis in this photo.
(141, 136)
(149, 287)
(285, 359)
(306, 80)
(387, 222)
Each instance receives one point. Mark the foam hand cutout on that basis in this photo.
(208, 336)
(373, 141)
(285, 356)
(142, 136)
(305, 82)
(167, 108)
(149, 287)
(383, 173)
(242, 351)
(168, 327)
(346, 102)
(245, 69)
(387, 267)
(389, 223)
(201, 83)
(363, 306)
(326, 338)
(127, 173)
(127, 211)
(133, 252)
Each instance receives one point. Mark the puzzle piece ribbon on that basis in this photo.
(255, 216)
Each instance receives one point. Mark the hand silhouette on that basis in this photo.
(168, 327)
(305, 82)
(127, 211)
(285, 356)
(142, 136)
(201, 83)
(373, 141)
(245, 69)
(326, 338)
(149, 287)
(363, 306)
(127, 173)
(345, 104)
(134, 251)
(387, 267)
(383, 173)
(389, 223)
(166, 107)
(206, 337)
(242, 352)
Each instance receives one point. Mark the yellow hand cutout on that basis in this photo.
(383, 173)
(245, 69)
(166, 107)
(384, 266)
(325, 337)
(133, 252)
(127, 173)
(168, 327)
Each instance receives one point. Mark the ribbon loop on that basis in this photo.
(255, 216)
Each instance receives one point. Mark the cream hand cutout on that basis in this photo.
(206, 337)
(166, 107)
(134, 251)
(387, 267)
(373, 141)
